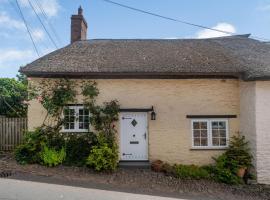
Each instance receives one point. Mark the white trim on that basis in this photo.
(209, 133)
(76, 122)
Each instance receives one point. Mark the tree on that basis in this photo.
(13, 93)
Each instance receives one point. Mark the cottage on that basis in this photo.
(181, 100)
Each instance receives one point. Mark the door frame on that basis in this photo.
(147, 135)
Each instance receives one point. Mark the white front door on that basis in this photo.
(134, 136)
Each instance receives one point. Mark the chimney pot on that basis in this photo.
(80, 11)
(78, 26)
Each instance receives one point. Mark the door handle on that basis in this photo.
(144, 136)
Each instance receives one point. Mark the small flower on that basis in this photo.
(39, 98)
(29, 79)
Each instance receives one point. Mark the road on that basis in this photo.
(26, 190)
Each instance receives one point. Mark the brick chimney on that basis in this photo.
(78, 26)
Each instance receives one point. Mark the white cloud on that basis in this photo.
(206, 33)
(8, 56)
(38, 35)
(50, 7)
(7, 22)
(170, 38)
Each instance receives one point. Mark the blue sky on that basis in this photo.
(109, 21)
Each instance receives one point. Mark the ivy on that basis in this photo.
(102, 117)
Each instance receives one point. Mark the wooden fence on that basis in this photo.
(11, 132)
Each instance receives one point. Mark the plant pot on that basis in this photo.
(241, 172)
(157, 166)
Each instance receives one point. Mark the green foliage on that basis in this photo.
(28, 152)
(13, 97)
(22, 78)
(78, 147)
(225, 171)
(25, 154)
(190, 172)
(51, 157)
(227, 165)
(102, 117)
(103, 157)
(89, 90)
(239, 152)
(49, 142)
(55, 96)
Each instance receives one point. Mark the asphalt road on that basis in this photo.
(26, 190)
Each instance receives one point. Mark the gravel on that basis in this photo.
(137, 181)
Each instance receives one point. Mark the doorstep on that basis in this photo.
(134, 164)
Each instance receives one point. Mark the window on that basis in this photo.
(76, 119)
(210, 133)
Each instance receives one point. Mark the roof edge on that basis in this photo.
(133, 75)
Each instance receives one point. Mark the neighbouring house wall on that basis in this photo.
(255, 124)
(248, 115)
(263, 131)
(170, 133)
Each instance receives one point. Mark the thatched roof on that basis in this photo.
(235, 56)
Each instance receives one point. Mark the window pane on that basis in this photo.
(71, 125)
(215, 133)
(86, 125)
(196, 141)
(203, 125)
(80, 118)
(72, 119)
(196, 133)
(66, 125)
(215, 141)
(223, 142)
(71, 112)
(222, 125)
(86, 112)
(214, 125)
(222, 133)
(81, 126)
(80, 111)
(204, 142)
(196, 125)
(204, 133)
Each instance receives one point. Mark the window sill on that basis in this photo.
(69, 131)
(209, 148)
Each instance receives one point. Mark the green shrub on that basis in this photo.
(78, 148)
(225, 170)
(103, 157)
(239, 152)
(190, 172)
(51, 157)
(227, 165)
(27, 152)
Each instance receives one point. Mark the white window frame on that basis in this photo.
(209, 133)
(76, 123)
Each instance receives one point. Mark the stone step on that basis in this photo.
(135, 164)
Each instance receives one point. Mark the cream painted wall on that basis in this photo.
(170, 134)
